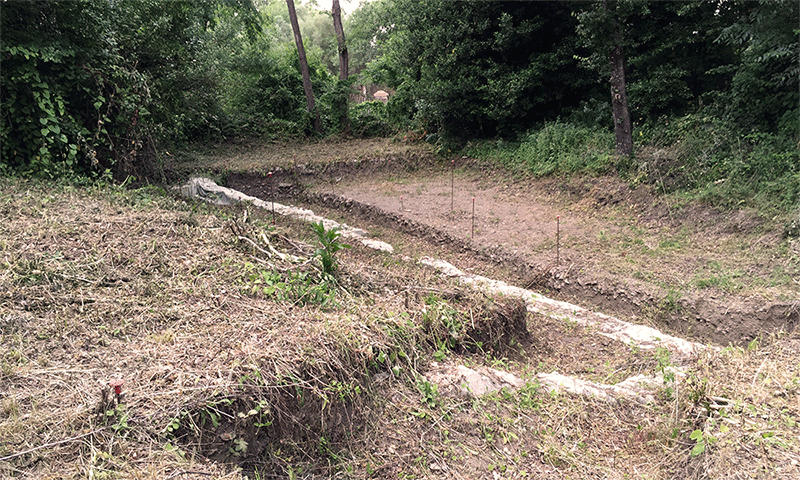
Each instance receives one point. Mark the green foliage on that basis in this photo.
(368, 31)
(764, 87)
(706, 155)
(478, 68)
(667, 370)
(296, 287)
(429, 392)
(673, 60)
(702, 440)
(556, 148)
(117, 418)
(90, 86)
(263, 95)
(329, 241)
(370, 119)
(49, 96)
(333, 105)
(445, 324)
(671, 301)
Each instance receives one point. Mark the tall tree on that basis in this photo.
(623, 135)
(301, 54)
(368, 31)
(764, 92)
(604, 28)
(344, 67)
(480, 69)
(344, 56)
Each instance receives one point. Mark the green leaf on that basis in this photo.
(698, 449)
(43, 121)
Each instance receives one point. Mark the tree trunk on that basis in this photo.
(344, 67)
(301, 53)
(623, 137)
(344, 56)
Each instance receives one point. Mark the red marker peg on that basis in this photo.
(117, 384)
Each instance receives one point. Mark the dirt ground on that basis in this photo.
(237, 357)
(723, 277)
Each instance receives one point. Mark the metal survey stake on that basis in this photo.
(272, 195)
(473, 218)
(452, 181)
(558, 238)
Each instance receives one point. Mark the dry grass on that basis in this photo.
(243, 156)
(224, 378)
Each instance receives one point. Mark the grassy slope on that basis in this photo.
(97, 283)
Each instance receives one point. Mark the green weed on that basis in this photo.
(298, 287)
(444, 322)
(556, 148)
(329, 239)
(702, 441)
(664, 366)
(671, 301)
(429, 392)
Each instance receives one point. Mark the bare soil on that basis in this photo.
(720, 277)
(239, 359)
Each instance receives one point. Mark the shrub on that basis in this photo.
(555, 148)
(368, 119)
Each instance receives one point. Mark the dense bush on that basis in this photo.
(370, 119)
(698, 154)
(704, 153)
(69, 102)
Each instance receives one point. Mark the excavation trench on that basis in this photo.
(704, 318)
(637, 388)
(582, 337)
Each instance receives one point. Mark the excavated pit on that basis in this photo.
(721, 320)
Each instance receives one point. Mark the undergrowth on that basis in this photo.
(555, 149)
(697, 156)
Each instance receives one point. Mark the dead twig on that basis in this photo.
(47, 445)
(241, 238)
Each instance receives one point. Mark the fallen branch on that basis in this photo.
(47, 445)
(268, 254)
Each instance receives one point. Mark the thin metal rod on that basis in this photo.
(558, 239)
(473, 218)
(452, 183)
(272, 195)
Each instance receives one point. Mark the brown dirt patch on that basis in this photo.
(224, 377)
(713, 276)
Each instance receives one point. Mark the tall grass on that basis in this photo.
(723, 167)
(696, 155)
(556, 148)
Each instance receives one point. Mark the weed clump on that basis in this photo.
(495, 326)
